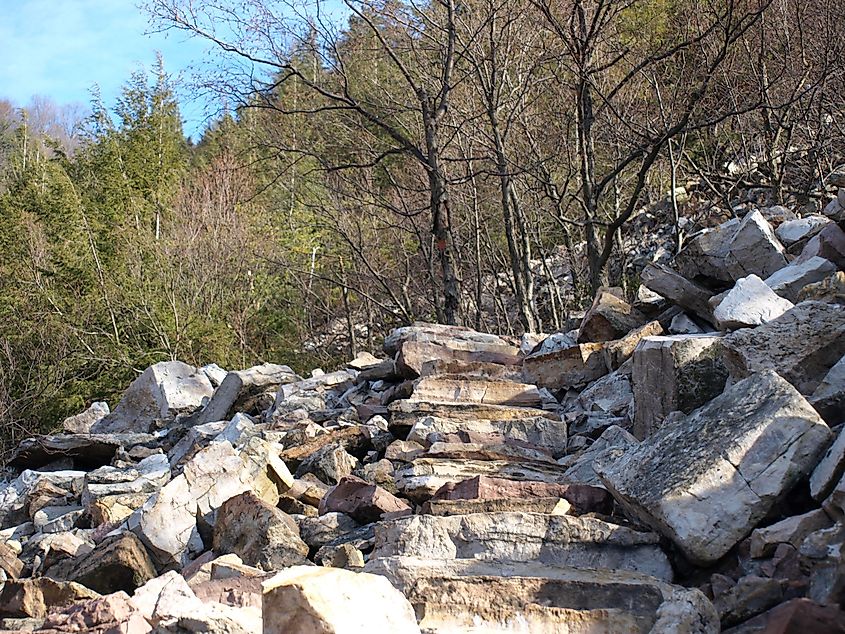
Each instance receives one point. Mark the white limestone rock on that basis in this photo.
(707, 480)
(749, 303)
(162, 391)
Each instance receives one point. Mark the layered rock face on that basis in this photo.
(678, 469)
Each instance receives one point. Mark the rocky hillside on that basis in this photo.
(672, 465)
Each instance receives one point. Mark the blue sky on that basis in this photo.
(61, 48)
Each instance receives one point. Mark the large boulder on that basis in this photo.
(754, 248)
(119, 563)
(161, 392)
(333, 601)
(39, 596)
(260, 534)
(749, 303)
(169, 523)
(674, 373)
(801, 345)
(704, 256)
(706, 481)
(555, 540)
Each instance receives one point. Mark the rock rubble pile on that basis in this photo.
(675, 465)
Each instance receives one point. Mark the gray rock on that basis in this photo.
(674, 373)
(829, 243)
(829, 396)
(801, 345)
(580, 468)
(754, 249)
(789, 281)
(679, 290)
(329, 464)
(555, 540)
(682, 324)
(162, 391)
(707, 480)
(829, 470)
(791, 531)
(82, 423)
(241, 391)
(793, 231)
(703, 257)
(319, 531)
(749, 303)
(539, 430)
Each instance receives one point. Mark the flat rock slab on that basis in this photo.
(539, 431)
(583, 498)
(437, 333)
(415, 355)
(88, 451)
(361, 500)
(801, 345)
(705, 481)
(419, 480)
(450, 389)
(557, 540)
(674, 373)
(465, 595)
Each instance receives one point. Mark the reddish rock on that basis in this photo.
(111, 613)
(362, 501)
(583, 497)
(798, 616)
